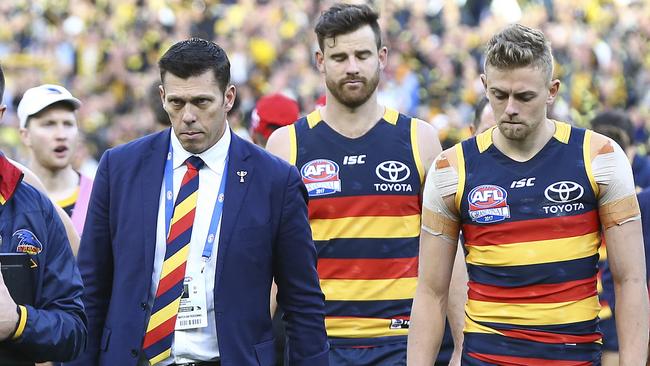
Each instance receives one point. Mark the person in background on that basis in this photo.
(483, 117)
(272, 112)
(161, 117)
(49, 130)
(236, 120)
(616, 125)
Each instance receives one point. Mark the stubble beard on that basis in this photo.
(356, 98)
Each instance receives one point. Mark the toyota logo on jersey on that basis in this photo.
(564, 191)
(393, 171)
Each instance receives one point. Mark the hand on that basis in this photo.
(8, 315)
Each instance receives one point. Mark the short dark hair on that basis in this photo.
(519, 46)
(616, 125)
(478, 111)
(344, 19)
(193, 57)
(2, 83)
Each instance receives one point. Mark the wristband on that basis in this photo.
(22, 320)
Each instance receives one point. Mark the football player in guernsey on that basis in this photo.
(364, 166)
(49, 129)
(533, 197)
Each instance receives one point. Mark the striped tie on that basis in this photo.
(157, 344)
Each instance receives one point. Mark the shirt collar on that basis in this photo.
(10, 177)
(214, 157)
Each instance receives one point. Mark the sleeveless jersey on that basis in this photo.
(364, 211)
(532, 235)
(68, 203)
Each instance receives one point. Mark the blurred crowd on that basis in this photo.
(105, 53)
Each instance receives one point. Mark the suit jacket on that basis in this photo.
(264, 234)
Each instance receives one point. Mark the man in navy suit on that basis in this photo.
(205, 301)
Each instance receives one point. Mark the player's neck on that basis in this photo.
(525, 149)
(59, 183)
(352, 122)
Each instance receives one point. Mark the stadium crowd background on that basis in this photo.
(105, 53)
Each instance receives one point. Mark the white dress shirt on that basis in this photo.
(195, 344)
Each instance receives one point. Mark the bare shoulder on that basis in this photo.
(600, 144)
(428, 143)
(279, 143)
(447, 158)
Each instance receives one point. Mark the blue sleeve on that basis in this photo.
(56, 325)
(96, 263)
(299, 293)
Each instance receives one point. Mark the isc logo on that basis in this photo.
(320, 170)
(487, 196)
(521, 183)
(354, 159)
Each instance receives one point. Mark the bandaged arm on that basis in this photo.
(438, 248)
(619, 214)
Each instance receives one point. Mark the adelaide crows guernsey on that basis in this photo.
(532, 235)
(364, 211)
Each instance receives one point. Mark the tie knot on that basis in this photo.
(194, 162)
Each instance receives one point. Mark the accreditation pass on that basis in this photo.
(192, 312)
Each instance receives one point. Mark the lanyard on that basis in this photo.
(216, 212)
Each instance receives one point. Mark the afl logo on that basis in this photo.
(320, 170)
(487, 196)
(392, 171)
(564, 191)
(321, 177)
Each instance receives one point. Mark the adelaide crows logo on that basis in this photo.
(27, 242)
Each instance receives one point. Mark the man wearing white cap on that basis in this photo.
(48, 127)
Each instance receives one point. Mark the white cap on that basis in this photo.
(36, 99)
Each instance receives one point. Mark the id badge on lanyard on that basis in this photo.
(192, 311)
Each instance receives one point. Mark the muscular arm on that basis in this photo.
(627, 262)
(31, 178)
(620, 217)
(279, 144)
(430, 148)
(456, 303)
(428, 144)
(431, 299)
(438, 248)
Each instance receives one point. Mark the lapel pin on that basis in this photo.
(241, 174)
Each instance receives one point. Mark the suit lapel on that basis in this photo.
(151, 177)
(234, 196)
